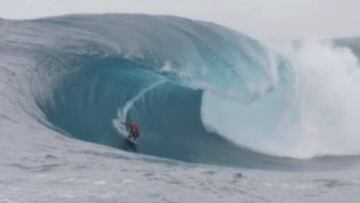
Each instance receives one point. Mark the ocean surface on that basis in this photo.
(224, 117)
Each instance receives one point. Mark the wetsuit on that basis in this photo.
(134, 130)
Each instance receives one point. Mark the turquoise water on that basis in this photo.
(201, 93)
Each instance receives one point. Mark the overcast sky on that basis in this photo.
(268, 18)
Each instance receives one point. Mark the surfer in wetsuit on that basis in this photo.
(134, 130)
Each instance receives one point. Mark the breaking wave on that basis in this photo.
(200, 92)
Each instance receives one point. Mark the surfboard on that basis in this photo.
(132, 140)
(119, 124)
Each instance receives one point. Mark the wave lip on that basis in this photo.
(311, 112)
(97, 76)
(201, 92)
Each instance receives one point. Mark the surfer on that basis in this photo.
(134, 130)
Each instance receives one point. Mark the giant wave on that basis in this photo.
(201, 92)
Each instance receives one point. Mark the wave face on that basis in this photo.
(200, 92)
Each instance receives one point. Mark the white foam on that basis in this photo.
(122, 112)
(314, 112)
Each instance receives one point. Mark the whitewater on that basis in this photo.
(225, 117)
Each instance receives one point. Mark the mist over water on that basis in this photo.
(310, 111)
